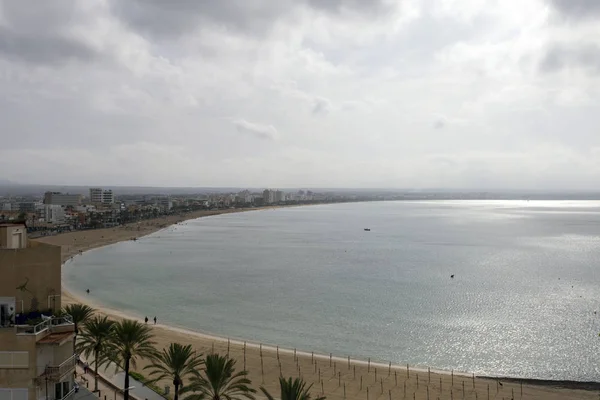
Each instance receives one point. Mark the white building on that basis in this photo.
(101, 196)
(52, 213)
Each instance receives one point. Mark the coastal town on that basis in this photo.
(54, 211)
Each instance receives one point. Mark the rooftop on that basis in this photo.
(56, 338)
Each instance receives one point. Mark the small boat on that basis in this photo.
(368, 229)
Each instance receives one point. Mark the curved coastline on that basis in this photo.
(70, 295)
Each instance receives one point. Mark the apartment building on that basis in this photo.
(62, 199)
(36, 347)
(101, 196)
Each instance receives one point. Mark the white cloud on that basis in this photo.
(342, 93)
(259, 130)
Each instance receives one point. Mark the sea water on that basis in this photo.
(522, 302)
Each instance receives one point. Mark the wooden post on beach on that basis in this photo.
(488, 391)
(262, 371)
(315, 368)
(497, 386)
(361, 382)
(244, 355)
(476, 396)
(428, 375)
(404, 389)
(295, 359)
(334, 368)
(390, 369)
(452, 377)
(407, 373)
(369, 365)
(463, 385)
(381, 382)
(473, 380)
(348, 363)
(427, 392)
(278, 352)
(339, 379)
(280, 373)
(395, 378)
(344, 389)
(367, 393)
(260, 351)
(375, 374)
(354, 372)
(440, 385)
(417, 381)
(330, 360)
(312, 356)
(389, 395)
(228, 343)
(322, 390)
(451, 395)
(521, 389)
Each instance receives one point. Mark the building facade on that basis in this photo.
(101, 196)
(36, 348)
(62, 199)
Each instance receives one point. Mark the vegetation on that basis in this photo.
(219, 380)
(96, 340)
(292, 390)
(80, 313)
(130, 340)
(208, 378)
(176, 363)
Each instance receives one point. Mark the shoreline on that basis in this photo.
(206, 340)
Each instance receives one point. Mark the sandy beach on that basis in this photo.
(334, 376)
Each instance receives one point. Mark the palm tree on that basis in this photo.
(79, 313)
(95, 340)
(176, 363)
(130, 340)
(219, 380)
(292, 390)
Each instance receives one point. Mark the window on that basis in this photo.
(14, 394)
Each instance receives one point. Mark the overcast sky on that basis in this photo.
(301, 93)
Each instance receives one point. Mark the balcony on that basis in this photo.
(56, 372)
(49, 324)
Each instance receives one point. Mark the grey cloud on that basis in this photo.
(49, 49)
(440, 123)
(36, 34)
(362, 6)
(559, 57)
(258, 130)
(177, 17)
(577, 9)
(321, 106)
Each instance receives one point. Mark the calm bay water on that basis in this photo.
(522, 302)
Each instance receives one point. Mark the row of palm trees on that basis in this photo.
(210, 377)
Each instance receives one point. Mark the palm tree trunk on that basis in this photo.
(176, 397)
(96, 372)
(75, 341)
(126, 391)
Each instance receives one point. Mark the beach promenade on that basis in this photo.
(335, 376)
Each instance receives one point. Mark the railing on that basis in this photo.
(48, 323)
(68, 395)
(55, 372)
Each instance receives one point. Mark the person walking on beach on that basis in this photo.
(155, 320)
(86, 366)
(146, 319)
